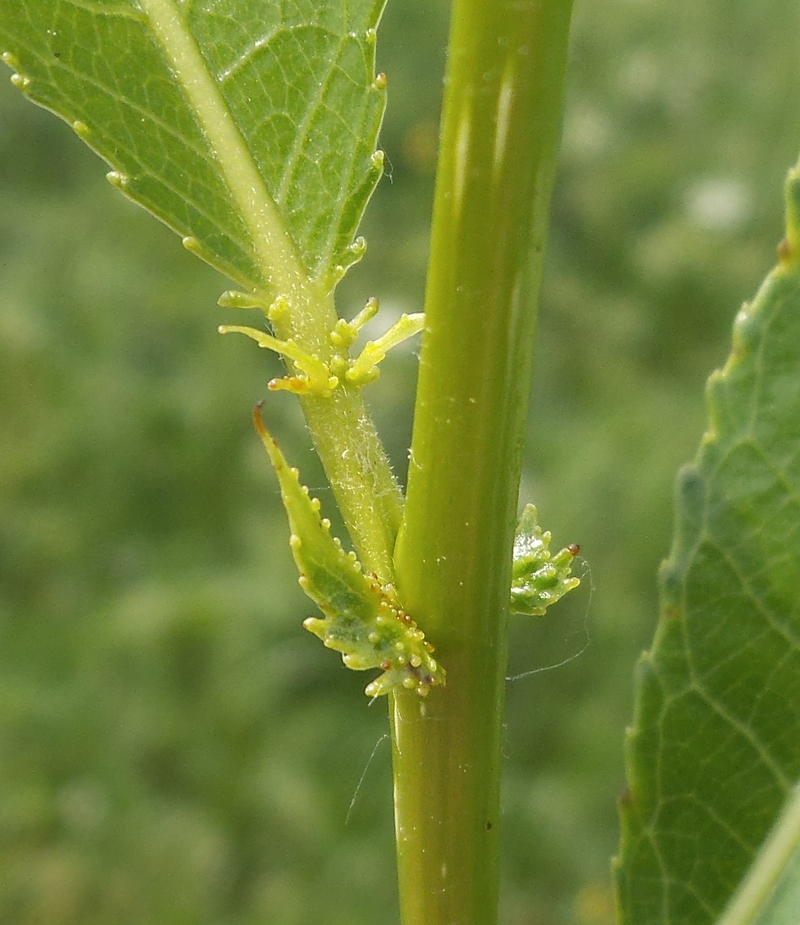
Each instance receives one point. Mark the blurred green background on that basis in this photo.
(174, 748)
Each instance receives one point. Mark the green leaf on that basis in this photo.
(363, 618)
(538, 578)
(770, 893)
(249, 128)
(715, 747)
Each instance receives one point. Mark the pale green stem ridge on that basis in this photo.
(777, 853)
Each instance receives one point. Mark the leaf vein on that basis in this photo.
(273, 249)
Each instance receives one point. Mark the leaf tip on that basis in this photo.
(21, 82)
(117, 179)
(357, 249)
(789, 247)
(235, 298)
(785, 251)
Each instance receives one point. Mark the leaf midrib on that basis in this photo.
(272, 246)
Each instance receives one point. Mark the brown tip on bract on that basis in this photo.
(785, 250)
(270, 444)
(574, 548)
(258, 421)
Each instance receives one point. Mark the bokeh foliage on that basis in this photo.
(173, 747)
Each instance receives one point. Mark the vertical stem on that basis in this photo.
(345, 438)
(359, 473)
(501, 127)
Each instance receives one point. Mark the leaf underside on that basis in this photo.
(715, 746)
(250, 127)
(781, 908)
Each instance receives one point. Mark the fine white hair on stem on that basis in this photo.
(363, 775)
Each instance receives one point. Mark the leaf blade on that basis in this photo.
(715, 746)
(770, 892)
(149, 86)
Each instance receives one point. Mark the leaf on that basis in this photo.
(363, 618)
(770, 893)
(715, 746)
(538, 578)
(249, 128)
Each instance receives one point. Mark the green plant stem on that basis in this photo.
(502, 117)
(359, 474)
(346, 440)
